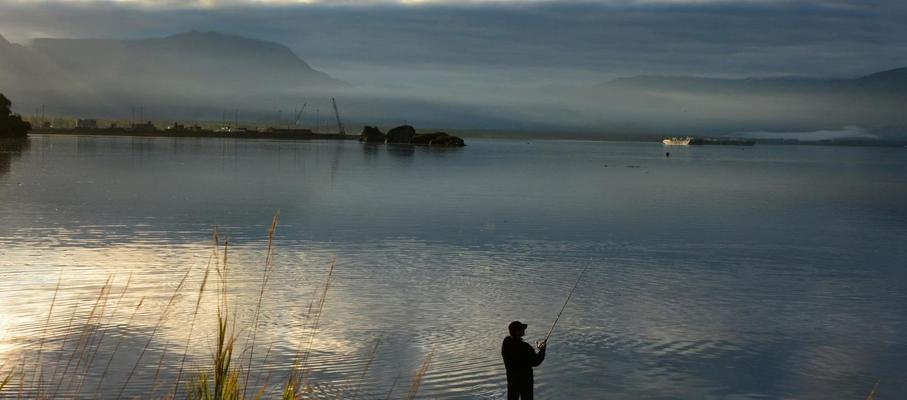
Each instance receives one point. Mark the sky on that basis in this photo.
(500, 47)
(474, 43)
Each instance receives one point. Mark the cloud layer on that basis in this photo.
(492, 52)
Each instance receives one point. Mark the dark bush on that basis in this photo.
(11, 125)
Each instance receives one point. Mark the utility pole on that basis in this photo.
(317, 120)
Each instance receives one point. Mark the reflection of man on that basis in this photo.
(519, 358)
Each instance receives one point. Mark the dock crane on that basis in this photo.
(340, 128)
(299, 115)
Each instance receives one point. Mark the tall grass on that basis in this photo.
(420, 376)
(228, 374)
(264, 284)
(874, 392)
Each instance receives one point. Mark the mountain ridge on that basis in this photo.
(188, 68)
(895, 76)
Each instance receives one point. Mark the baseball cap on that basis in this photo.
(516, 325)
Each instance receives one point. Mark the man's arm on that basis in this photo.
(535, 359)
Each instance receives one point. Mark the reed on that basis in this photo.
(39, 371)
(371, 358)
(84, 337)
(393, 386)
(5, 381)
(420, 375)
(264, 284)
(874, 391)
(151, 336)
(198, 303)
(228, 375)
(316, 316)
(116, 348)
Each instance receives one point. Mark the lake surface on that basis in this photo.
(718, 272)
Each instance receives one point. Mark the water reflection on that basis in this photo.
(11, 149)
(402, 151)
(715, 273)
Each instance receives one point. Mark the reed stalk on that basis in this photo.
(94, 353)
(874, 392)
(317, 319)
(157, 326)
(393, 386)
(6, 380)
(84, 337)
(368, 364)
(261, 294)
(117, 348)
(198, 302)
(39, 369)
(420, 375)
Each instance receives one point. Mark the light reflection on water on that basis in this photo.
(769, 271)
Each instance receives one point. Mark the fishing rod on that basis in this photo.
(565, 304)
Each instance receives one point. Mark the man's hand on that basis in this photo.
(541, 345)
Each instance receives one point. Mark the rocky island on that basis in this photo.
(406, 134)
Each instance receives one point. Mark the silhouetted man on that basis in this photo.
(519, 358)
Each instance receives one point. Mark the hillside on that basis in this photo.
(188, 69)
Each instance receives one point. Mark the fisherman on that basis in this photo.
(519, 358)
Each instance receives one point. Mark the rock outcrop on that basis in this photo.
(406, 134)
(371, 134)
(401, 134)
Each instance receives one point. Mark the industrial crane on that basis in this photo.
(299, 115)
(340, 128)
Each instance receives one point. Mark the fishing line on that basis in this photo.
(565, 304)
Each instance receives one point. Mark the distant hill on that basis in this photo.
(695, 105)
(208, 75)
(892, 81)
(885, 82)
(186, 69)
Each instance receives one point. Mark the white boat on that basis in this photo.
(678, 141)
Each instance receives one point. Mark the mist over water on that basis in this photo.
(727, 272)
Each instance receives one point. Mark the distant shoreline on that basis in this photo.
(276, 134)
(304, 134)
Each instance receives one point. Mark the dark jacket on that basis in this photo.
(519, 358)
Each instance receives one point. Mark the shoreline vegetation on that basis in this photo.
(60, 369)
(404, 134)
(12, 126)
(409, 136)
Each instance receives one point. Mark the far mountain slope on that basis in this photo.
(188, 69)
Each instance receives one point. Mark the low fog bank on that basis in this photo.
(209, 76)
(848, 132)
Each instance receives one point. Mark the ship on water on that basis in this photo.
(678, 141)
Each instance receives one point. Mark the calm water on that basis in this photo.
(720, 272)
